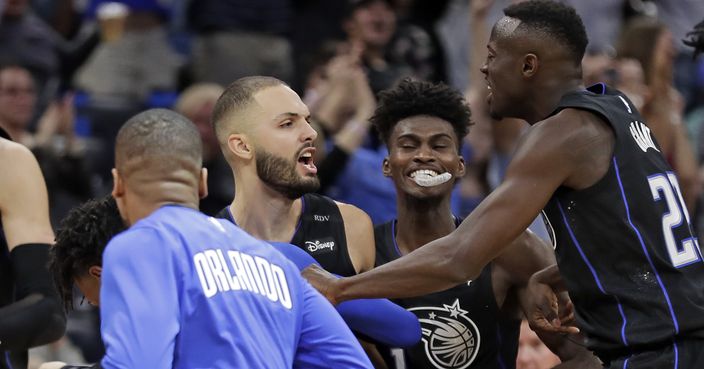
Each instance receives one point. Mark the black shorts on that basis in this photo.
(683, 354)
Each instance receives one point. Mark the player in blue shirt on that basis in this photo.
(184, 290)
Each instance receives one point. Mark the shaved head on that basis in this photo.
(234, 102)
(556, 24)
(158, 141)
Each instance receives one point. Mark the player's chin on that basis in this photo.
(495, 114)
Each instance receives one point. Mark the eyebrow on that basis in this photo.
(417, 137)
(291, 115)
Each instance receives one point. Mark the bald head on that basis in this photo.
(158, 141)
(228, 113)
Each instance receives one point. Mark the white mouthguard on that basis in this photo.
(425, 180)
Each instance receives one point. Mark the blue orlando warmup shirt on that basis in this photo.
(184, 290)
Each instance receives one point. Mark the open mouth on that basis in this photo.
(306, 160)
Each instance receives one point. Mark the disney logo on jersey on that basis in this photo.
(451, 340)
(641, 133)
(323, 246)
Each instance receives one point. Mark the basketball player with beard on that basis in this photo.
(473, 324)
(263, 130)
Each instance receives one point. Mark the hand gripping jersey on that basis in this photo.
(462, 327)
(320, 232)
(184, 290)
(625, 245)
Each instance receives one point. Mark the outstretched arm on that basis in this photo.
(546, 158)
(379, 319)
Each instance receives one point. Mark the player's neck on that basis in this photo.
(551, 93)
(420, 222)
(152, 197)
(264, 213)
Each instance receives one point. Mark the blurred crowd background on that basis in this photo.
(72, 71)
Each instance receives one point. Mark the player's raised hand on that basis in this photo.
(323, 281)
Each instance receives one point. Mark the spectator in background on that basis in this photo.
(532, 352)
(134, 58)
(651, 44)
(238, 38)
(27, 40)
(417, 42)
(370, 26)
(54, 144)
(341, 102)
(196, 103)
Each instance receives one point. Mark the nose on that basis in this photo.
(309, 133)
(424, 154)
(484, 69)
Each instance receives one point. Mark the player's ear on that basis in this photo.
(530, 65)
(460, 168)
(385, 167)
(239, 145)
(118, 186)
(95, 271)
(203, 183)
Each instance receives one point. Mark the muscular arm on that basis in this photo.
(36, 317)
(557, 151)
(359, 233)
(24, 204)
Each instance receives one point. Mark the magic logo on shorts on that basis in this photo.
(322, 246)
(450, 338)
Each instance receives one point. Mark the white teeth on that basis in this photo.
(424, 172)
(425, 180)
(307, 155)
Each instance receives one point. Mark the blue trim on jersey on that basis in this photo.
(625, 363)
(677, 355)
(593, 271)
(499, 357)
(7, 359)
(645, 250)
(393, 237)
(623, 326)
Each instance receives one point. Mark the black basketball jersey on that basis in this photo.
(625, 246)
(320, 232)
(462, 327)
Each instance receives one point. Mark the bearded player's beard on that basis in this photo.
(281, 175)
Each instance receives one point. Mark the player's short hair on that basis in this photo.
(696, 38)
(80, 242)
(557, 20)
(413, 98)
(237, 96)
(167, 138)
